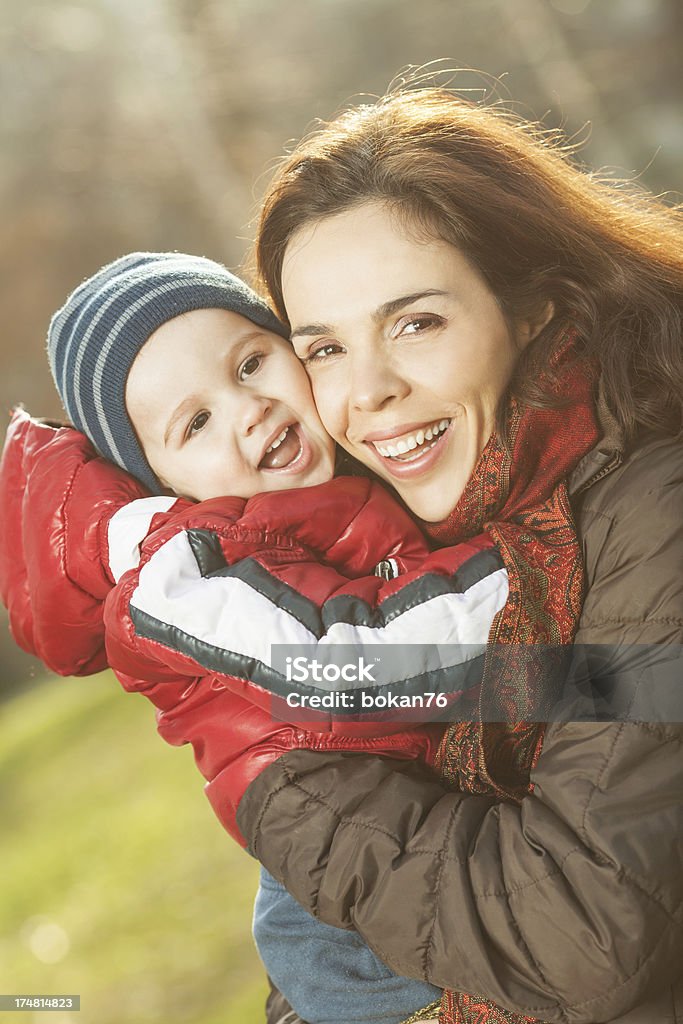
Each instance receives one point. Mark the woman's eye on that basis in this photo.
(418, 324)
(250, 366)
(198, 423)
(317, 355)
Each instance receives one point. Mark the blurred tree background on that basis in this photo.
(151, 124)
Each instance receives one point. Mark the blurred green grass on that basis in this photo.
(118, 883)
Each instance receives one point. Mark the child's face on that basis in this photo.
(223, 407)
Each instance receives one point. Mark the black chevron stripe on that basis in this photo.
(346, 608)
(450, 680)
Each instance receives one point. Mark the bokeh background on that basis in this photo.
(152, 124)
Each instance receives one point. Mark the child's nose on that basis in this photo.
(254, 411)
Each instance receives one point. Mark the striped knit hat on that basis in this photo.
(95, 336)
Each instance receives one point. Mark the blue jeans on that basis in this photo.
(328, 975)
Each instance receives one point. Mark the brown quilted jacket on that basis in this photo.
(566, 908)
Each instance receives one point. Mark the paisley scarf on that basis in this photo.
(518, 494)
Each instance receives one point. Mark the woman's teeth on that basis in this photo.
(410, 442)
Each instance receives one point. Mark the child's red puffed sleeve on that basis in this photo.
(65, 513)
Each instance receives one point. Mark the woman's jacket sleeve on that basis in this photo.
(567, 908)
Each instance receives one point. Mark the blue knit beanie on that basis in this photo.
(95, 336)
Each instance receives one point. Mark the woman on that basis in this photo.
(498, 336)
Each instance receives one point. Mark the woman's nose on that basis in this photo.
(375, 382)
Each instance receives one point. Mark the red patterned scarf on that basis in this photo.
(518, 494)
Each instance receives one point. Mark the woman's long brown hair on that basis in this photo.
(608, 255)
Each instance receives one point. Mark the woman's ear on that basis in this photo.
(528, 330)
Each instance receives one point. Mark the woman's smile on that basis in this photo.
(410, 451)
(406, 346)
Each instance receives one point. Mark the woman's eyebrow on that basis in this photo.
(381, 313)
(393, 305)
(311, 330)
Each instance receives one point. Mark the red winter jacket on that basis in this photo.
(184, 600)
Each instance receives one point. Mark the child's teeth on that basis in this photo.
(278, 441)
(428, 434)
(420, 436)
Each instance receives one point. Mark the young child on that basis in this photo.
(177, 373)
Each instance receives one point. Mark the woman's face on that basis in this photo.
(406, 347)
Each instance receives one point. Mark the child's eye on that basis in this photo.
(198, 423)
(250, 365)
